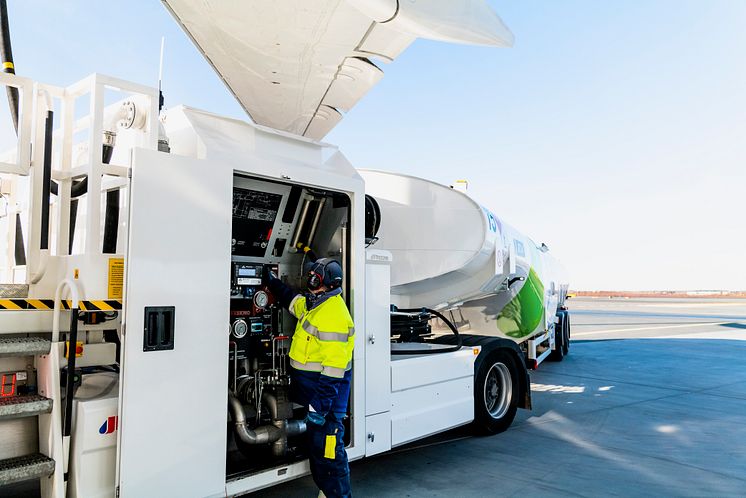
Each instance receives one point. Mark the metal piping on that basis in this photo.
(264, 434)
(316, 218)
(299, 226)
(275, 434)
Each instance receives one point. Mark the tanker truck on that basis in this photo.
(140, 353)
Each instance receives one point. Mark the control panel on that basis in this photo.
(253, 310)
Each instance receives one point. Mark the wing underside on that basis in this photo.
(299, 65)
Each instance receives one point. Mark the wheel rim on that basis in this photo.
(498, 390)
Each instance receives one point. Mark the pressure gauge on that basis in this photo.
(261, 299)
(240, 328)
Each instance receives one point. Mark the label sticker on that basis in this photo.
(329, 447)
(116, 277)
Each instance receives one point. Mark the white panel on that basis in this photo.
(378, 433)
(408, 372)
(427, 410)
(377, 333)
(172, 421)
(430, 394)
(94, 442)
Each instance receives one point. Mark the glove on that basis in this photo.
(314, 417)
(267, 275)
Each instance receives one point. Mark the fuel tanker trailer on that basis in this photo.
(493, 284)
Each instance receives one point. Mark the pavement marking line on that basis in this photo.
(637, 329)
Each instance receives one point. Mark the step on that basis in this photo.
(13, 291)
(24, 346)
(26, 405)
(25, 468)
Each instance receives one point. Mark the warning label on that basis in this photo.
(116, 277)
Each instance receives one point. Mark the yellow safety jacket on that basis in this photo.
(324, 337)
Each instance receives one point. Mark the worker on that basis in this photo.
(321, 361)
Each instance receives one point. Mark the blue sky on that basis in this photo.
(613, 131)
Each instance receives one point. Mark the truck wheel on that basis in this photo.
(559, 339)
(496, 392)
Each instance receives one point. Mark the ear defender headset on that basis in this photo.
(325, 271)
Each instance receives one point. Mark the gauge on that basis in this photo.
(261, 299)
(240, 328)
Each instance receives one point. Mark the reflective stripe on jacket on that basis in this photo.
(324, 337)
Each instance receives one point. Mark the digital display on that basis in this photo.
(8, 385)
(247, 272)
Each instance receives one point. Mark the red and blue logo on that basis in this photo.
(109, 426)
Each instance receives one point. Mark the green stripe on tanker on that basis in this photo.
(523, 314)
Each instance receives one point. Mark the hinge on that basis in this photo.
(116, 491)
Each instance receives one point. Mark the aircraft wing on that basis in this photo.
(298, 65)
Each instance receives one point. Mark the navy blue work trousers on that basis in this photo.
(328, 457)
(326, 448)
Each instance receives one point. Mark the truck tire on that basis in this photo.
(496, 392)
(559, 338)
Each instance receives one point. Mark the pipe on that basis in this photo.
(299, 226)
(6, 53)
(295, 427)
(316, 218)
(264, 434)
(280, 447)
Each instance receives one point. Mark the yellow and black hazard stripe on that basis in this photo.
(48, 304)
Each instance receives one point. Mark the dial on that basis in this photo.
(240, 328)
(261, 299)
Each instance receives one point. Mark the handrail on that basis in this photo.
(58, 303)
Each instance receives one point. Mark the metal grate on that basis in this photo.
(25, 468)
(24, 346)
(24, 406)
(13, 291)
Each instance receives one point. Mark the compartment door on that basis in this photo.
(175, 363)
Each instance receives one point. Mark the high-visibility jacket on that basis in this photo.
(324, 337)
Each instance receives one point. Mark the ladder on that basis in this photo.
(35, 465)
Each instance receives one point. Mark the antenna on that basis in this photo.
(160, 75)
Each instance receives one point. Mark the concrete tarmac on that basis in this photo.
(650, 402)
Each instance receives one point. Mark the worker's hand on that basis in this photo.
(267, 275)
(314, 417)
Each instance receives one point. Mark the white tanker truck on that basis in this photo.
(141, 355)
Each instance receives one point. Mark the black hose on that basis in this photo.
(20, 252)
(6, 53)
(111, 213)
(72, 342)
(456, 347)
(47, 180)
(111, 222)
